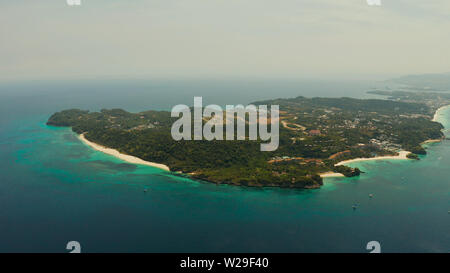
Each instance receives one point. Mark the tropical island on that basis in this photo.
(316, 134)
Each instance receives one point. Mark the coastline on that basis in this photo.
(436, 119)
(402, 156)
(124, 157)
(436, 114)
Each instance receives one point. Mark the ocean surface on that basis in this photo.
(55, 189)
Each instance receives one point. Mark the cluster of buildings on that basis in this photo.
(386, 145)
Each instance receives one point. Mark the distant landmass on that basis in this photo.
(315, 135)
(423, 82)
(433, 100)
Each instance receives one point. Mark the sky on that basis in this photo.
(48, 39)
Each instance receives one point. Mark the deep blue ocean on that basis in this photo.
(55, 189)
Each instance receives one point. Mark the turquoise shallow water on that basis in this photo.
(54, 189)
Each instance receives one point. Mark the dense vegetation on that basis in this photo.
(314, 135)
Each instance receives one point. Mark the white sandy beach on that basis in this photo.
(431, 141)
(437, 114)
(436, 119)
(124, 157)
(402, 155)
(331, 174)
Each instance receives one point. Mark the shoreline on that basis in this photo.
(402, 156)
(436, 114)
(436, 119)
(432, 141)
(124, 157)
